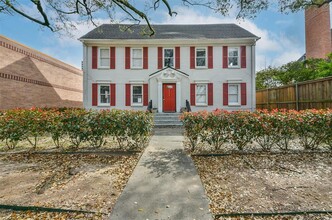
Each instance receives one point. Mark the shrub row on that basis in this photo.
(131, 129)
(276, 128)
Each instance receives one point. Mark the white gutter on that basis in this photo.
(170, 41)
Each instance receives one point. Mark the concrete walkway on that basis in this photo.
(164, 184)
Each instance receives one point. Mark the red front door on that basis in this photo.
(169, 97)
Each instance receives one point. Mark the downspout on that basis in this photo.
(253, 76)
(85, 74)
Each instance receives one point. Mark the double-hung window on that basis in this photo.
(234, 94)
(137, 95)
(201, 94)
(201, 57)
(233, 57)
(136, 58)
(104, 94)
(104, 58)
(168, 57)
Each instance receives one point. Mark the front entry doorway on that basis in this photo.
(169, 97)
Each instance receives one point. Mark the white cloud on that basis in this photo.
(272, 49)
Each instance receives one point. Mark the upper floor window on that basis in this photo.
(137, 95)
(104, 94)
(104, 58)
(201, 94)
(136, 58)
(233, 57)
(200, 57)
(234, 94)
(168, 57)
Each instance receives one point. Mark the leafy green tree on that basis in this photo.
(293, 72)
(60, 15)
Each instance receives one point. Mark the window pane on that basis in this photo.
(201, 89)
(233, 61)
(137, 99)
(104, 62)
(104, 53)
(168, 53)
(104, 99)
(104, 94)
(137, 62)
(233, 99)
(201, 94)
(169, 62)
(233, 89)
(200, 62)
(200, 53)
(233, 53)
(201, 99)
(104, 90)
(137, 90)
(137, 53)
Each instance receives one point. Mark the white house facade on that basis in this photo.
(211, 66)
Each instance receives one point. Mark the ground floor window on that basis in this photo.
(234, 94)
(104, 94)
(201, 94)
(137, 95)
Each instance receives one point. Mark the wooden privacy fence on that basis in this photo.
(304, 95)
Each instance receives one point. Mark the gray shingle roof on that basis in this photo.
(183, 31)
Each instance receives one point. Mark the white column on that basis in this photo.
(160, 97)
(178, 96)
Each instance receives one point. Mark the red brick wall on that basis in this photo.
(318, 32)
(30, 78)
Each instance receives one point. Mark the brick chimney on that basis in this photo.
(318, 32)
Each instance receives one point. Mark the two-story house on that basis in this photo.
(212, 66)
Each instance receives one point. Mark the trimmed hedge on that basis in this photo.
(131, 129)
(269, 129)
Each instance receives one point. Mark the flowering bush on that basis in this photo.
(266, 128)
(11, 127)
(130, 128)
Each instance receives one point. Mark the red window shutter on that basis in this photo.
(128, 95)
(225, 94)
(192, 57)
(145, 58)
(145, 94)
(193, 94)
(113, 94)
(243, 57)
(177, 57)
(127, 57)
(225, 57)
(210, 93)
(243, 94)
(210, 57)
(160, 57)
(94, 57)
(94, 94)
(112, 57)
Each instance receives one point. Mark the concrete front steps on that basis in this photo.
(163, 120)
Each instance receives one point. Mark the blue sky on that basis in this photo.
(282, 36)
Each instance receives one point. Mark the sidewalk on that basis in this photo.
(164, 184)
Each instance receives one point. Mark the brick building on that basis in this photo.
(30, 78)
(318, 32)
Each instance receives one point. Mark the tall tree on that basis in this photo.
(60, 15)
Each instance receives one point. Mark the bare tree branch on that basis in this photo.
(40, 10)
